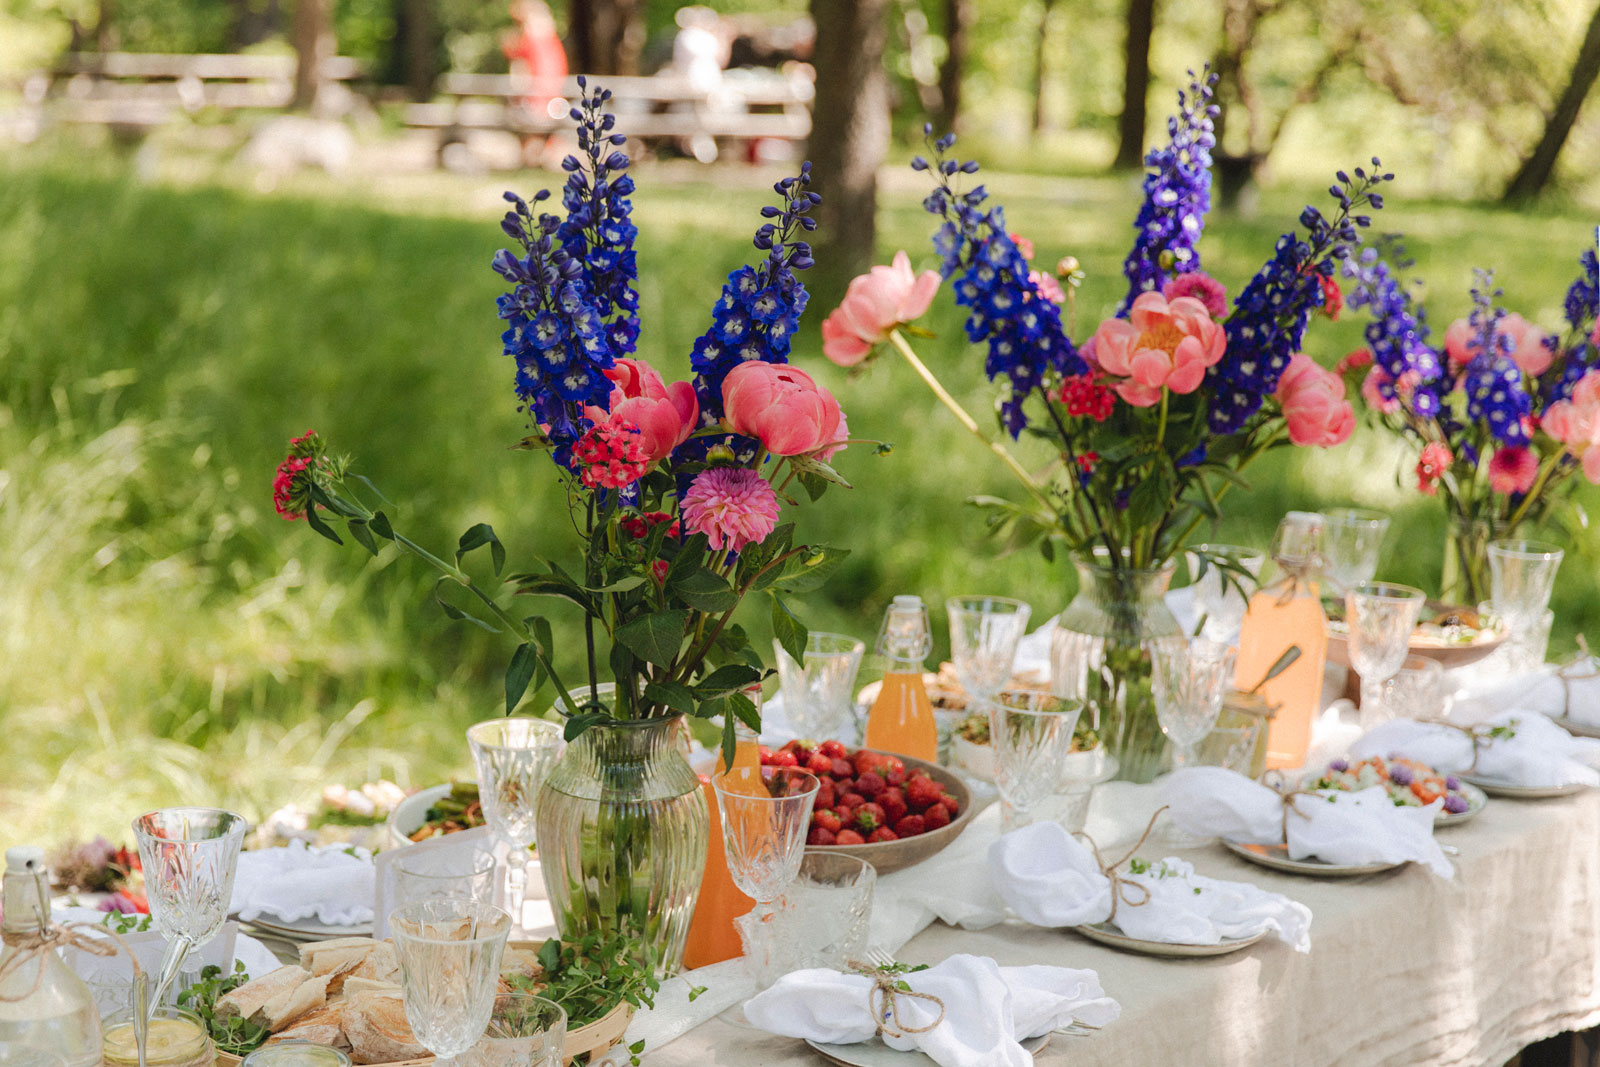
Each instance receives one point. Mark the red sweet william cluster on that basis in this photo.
(865, 796)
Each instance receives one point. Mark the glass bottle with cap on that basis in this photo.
(1285, 615)
(42, 1003)
(901, 719)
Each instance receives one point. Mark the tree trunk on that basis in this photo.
(415, 33)
(1038, 65)
(958, 17)
(1534, 174)
(1135, 84)
(105, 26)
(849, 132)
(313, 45)
(605, 36)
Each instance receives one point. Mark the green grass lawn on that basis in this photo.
(168, 638)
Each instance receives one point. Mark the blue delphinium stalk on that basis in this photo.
(1398, 333)
(1582, 307)
(1177, 195)
(759, 310)
(597, 231)
(1492, 379)
(1026, 341)
(1270, 316)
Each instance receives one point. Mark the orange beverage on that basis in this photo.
(1284, 614)
(901, 719)
(712, 936)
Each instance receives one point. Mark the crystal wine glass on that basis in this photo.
(818, 695)
(1415, 691)
(1351, 540)
(189, 856)
(1031, 734)
(984, 631)
(450, 954)
(1381, 617)
(524, 1030)
(436, 875)
(1189, 678)
(1522, 575)
(513, 756)
(1224, 578)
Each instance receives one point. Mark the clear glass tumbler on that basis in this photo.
(1031, 733)
(450, 952)
(822, 922)
(436, 875)
(524, 1030)
(1415, 691)
(819, 694)
(1224, 578)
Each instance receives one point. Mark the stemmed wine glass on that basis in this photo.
(984, 631)
(1351, 541)
(766, 812)
(1381, 617)
(1522, 575)
(818, 695)
(189, 856)
(1189, 678)
(513, 756)
(1031, 733)
(450, 953)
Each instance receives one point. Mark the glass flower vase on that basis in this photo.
(1464, 578)
(622, 830)
(1100, 655)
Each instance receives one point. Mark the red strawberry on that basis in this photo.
(950, 804)
(895, 776)
(818, 764)
(854, 800)
(842, 768)
(865, 760)
(844, 813)
(870, 785)
(820, 836)
(849, 837)
(827, 820)
(910, 826)
(935, 817)
(876, 811)
(922, 791)
(833, 749)
(888, 764)
(866, 820)
(785, 759)
(826, 795)
(766, 755)
(894, 805)
(882, 833)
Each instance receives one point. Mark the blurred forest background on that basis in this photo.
(172, 309)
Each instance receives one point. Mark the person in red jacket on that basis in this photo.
(535, 49)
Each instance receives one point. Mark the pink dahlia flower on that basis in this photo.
(1202, 287)
(1512, 470)
(1161, 345)
(781, 406)
(732, 506)
(1314, 404)
(875, 303)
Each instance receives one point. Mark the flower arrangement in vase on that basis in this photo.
(675, 491)
(1503, 414)
(1152, 418)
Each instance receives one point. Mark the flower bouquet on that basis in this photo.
(1503, 416)
(1152, 418)
(675, 492)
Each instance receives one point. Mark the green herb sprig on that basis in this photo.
(590, 977)
(232, 1034)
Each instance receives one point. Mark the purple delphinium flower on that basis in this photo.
(1397, 335)
(1493, 381)
(1582, 307)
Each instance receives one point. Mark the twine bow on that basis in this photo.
(883, 1000)
(1479, 737)
(1286, 797)
(33, 944)
(1120, 885)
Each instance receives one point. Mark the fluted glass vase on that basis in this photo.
(622, 836)
(1100, 655)
(1465, 576)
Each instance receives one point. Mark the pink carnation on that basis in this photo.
(1512, 470)
(1161, 345)
(1314, 405)
(1047, 287)
(1202, 287)
(732, 506)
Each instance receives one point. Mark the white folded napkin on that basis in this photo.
(1332, 825)
(333, 883)
(1049, 878)
(1538, 754)
(987, 1009)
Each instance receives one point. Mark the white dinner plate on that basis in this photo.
(1522, 792)
(1277, 858)
(1575, 728)
(1109, 934)
(1476, 799)
(308, 929)
(875, 1053)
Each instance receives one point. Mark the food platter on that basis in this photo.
(1277, 858)
(1522, 792)
(1476, 800)
(875, 1053)
(1108, 934)
(1448, 654)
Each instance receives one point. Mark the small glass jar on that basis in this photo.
(177, 1038)
(296, 1054)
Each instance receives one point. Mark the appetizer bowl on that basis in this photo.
(1448, 643)
(409, 815)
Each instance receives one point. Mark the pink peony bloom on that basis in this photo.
(1376, 401)
(1161, 345)
(1431, 466)
(840, 436)
(1047, 287)
(875, 303)
(1202, 287)
(1575, 422)
(1528, 348)
(1314, 404)
(781, 406)
(732, 506)
(665, 415)
(1512, 470)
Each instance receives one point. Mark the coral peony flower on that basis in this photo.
(1528, 344)
(1161, 345)
(840, 436)
(1512, 470)
(665, 415)
(732, 506)
(1431, 466)
(875, 303)
(1314, 404)
(1202, 287)
(1575, 422)
(780, 406)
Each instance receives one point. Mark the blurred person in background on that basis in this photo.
(535, 50)
(699, 54)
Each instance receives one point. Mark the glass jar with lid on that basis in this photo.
(177, 1039)
(296, 1054)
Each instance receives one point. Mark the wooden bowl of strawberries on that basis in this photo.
(892, 811)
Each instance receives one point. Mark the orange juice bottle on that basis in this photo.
(901, 719)
(712, 935)
(1288, 613)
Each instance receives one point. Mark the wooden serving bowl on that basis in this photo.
(887, 856)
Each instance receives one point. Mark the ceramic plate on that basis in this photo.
(308, 929)
(1522, 792)
(875, 1053)
(1108, 934)
(1476, 799)
(1277, 858)
(1575, 728)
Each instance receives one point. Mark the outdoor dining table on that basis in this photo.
(1405, 967)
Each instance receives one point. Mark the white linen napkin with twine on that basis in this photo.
(1518, 747)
